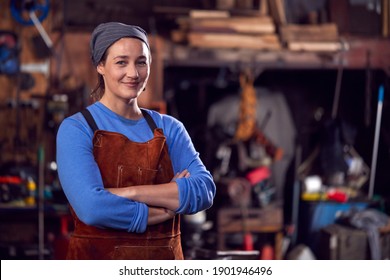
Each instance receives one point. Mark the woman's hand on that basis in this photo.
(183, 174)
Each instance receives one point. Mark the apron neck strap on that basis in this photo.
(149, 120)
(88, 116)
(91, 122)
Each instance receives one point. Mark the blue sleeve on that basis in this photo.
(197, 192)
(82, 183)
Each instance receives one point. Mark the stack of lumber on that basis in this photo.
(311, 37)
(218, 29)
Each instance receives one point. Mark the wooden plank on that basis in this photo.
(220, 40)
(208, 14)
(277, 11)
(281, 12)
(315, 46)
(309, 32)
(263, 7)
(311, 37)
(251, 25)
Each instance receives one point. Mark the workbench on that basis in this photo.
(268, 219)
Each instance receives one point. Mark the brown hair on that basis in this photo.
(99, 88)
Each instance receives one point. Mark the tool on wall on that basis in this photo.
(376, 141)
(10, 65)
(25, 12)
(19, 8)
(9, 53)
(32, 12)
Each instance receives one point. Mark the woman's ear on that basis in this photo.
(100, 69)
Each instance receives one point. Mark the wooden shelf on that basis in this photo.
(359, 53)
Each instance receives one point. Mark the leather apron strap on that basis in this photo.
(91, 121)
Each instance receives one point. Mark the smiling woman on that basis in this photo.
(127, 172)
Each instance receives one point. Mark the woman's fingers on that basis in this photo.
(183, 174)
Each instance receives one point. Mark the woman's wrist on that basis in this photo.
(158, 215)
(131, 193)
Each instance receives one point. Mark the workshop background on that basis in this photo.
(286, 101)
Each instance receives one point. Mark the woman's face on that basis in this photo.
(126, 69)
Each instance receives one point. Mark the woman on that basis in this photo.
(116, 161)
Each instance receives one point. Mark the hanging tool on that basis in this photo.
(376, 141)
(29, 12)
(20, 7)
(247, 118)
(30, 7)
(247, 123)
(9, 53)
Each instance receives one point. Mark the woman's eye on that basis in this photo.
(142, 62)
(121, 62)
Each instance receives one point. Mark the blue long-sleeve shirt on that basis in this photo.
(82, 183)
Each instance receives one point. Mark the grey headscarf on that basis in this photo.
(106, 34)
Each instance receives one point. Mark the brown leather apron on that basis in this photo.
(123, 163)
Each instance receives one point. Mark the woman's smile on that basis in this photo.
(132, 85)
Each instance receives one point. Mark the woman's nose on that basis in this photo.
(132, 72)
